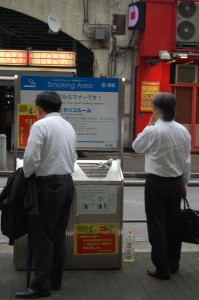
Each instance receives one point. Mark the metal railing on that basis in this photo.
(142, 183)
(131, 183)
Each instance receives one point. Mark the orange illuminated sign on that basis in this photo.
(13, 57)
(50, 58)
(38, 58)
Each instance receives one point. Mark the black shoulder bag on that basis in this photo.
(189, 224)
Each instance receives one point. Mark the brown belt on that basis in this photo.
(54, 177)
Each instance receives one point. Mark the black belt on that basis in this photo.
(54, 176)
(164, 178)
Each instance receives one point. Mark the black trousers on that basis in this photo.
(47, 232)
(162, 206)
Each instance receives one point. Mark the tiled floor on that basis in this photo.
(129, 283)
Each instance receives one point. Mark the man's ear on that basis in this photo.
(156, 114)
(41, 112)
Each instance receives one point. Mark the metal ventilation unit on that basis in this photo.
(187, 25)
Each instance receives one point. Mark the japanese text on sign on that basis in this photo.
(148, 90)
(96, 239)
(26, 117)
(89, 104)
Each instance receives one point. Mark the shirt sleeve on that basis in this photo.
(32, 154)
(140, 144)
(187, 169)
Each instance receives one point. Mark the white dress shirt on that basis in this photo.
(167, 147)
(51, 148)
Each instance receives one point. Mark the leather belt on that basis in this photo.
(54, 177)
(164, 178)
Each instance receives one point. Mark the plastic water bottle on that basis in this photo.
(129, 247)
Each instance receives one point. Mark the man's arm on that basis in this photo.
(32, 155)
(141, 143)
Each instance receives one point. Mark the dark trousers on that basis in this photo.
(47, 232)
(162, 206)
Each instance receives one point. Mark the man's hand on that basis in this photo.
(152, 120)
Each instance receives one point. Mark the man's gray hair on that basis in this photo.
(165, 104)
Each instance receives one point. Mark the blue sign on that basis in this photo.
(78, 84)
(89, 104)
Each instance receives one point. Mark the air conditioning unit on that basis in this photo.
(187, 25)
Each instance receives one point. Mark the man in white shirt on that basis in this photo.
(50, 155)
(167, 146)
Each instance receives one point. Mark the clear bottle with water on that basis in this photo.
(129, 247)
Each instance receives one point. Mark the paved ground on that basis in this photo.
(129, 283)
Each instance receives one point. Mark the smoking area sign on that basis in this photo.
(91, 105)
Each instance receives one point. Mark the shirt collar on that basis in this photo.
(52, 114)
(161, 121)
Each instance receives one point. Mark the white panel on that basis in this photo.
(187, 25)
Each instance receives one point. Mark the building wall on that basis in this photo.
(158, 34)
(153, 74)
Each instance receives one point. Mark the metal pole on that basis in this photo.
(142, 183)
(2, 151)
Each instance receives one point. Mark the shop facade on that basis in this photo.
(170, 27)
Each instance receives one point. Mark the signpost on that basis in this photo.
(92, 105)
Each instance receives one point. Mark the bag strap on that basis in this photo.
(186, 203)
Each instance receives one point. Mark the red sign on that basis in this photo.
(25, 122)
(96, 243)
(26, 117)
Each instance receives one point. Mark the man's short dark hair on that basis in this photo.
(49, 101)
(165, 104)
